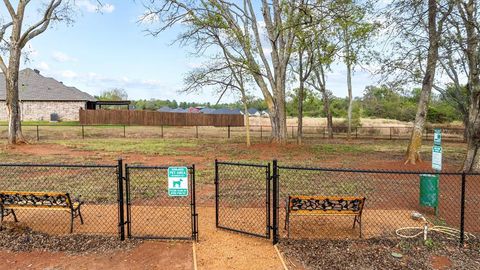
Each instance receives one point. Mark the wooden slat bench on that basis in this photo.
(324, 206)
(17, 200)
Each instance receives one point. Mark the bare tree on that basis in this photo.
(223, 76)
(354, 32)
(324, 55)
(212, 24)
(415, 31)
(302, 67)
(10, 62)
(468, 14)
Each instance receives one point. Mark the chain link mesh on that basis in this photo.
(391, 199)
(242, 198)
(96, 186)
(152, 212)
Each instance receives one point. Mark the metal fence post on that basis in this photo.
(268, 202)
(83, 133)
(194, 207)
(462, 210)
(196, 132)
(121, 217)
(356, 132)
(128, 203)
(275, 201)
(38, 134)
(229, 132)
(216, 193)
(124, 132)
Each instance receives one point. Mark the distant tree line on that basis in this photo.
(376, 102)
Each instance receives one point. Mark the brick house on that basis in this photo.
(40, 97)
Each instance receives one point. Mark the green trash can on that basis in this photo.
(429, 190)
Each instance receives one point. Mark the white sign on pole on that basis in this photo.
(177, 181)
(437, 158)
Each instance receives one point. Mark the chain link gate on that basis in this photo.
(151, 213)
(242, 198)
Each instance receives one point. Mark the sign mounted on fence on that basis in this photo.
(437, 158)
(177, 181)
(437, 137)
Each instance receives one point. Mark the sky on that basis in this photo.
(110, 49)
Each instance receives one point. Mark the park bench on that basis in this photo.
(17, 200)
(324, 206)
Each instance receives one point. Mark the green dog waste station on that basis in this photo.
(429, 191)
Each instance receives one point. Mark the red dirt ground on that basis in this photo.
(149, 255)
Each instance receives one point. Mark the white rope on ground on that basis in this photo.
(281, 258)
(194, 256)
(452, 233)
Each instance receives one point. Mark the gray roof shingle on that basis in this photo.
(34, 87)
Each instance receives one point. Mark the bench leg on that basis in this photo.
(354, 221)
(360, 225)
(14, 216)
(1, 218)
(287, 222)
(72, 215)
(80, 215)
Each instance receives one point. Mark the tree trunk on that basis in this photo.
(247, 118)
(472, 160)
(328, 113)
(15, 135)
(320, 74)
(350, 99)
(300, 99)
(413, 150)
(465, 128)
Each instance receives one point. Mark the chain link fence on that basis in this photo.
(100, 199)
(152, 212)
(392, 198)
(242, 198)
(93, 185)
(395, 201)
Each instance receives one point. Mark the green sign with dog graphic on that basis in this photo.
(177, 181)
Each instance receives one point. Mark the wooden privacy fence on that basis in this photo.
(150, 118)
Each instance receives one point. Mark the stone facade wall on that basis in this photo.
(41, 110)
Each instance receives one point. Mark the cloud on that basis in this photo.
(44, 66)
(107, 8)
(68, 74)
(62, 57)
(92, 6)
